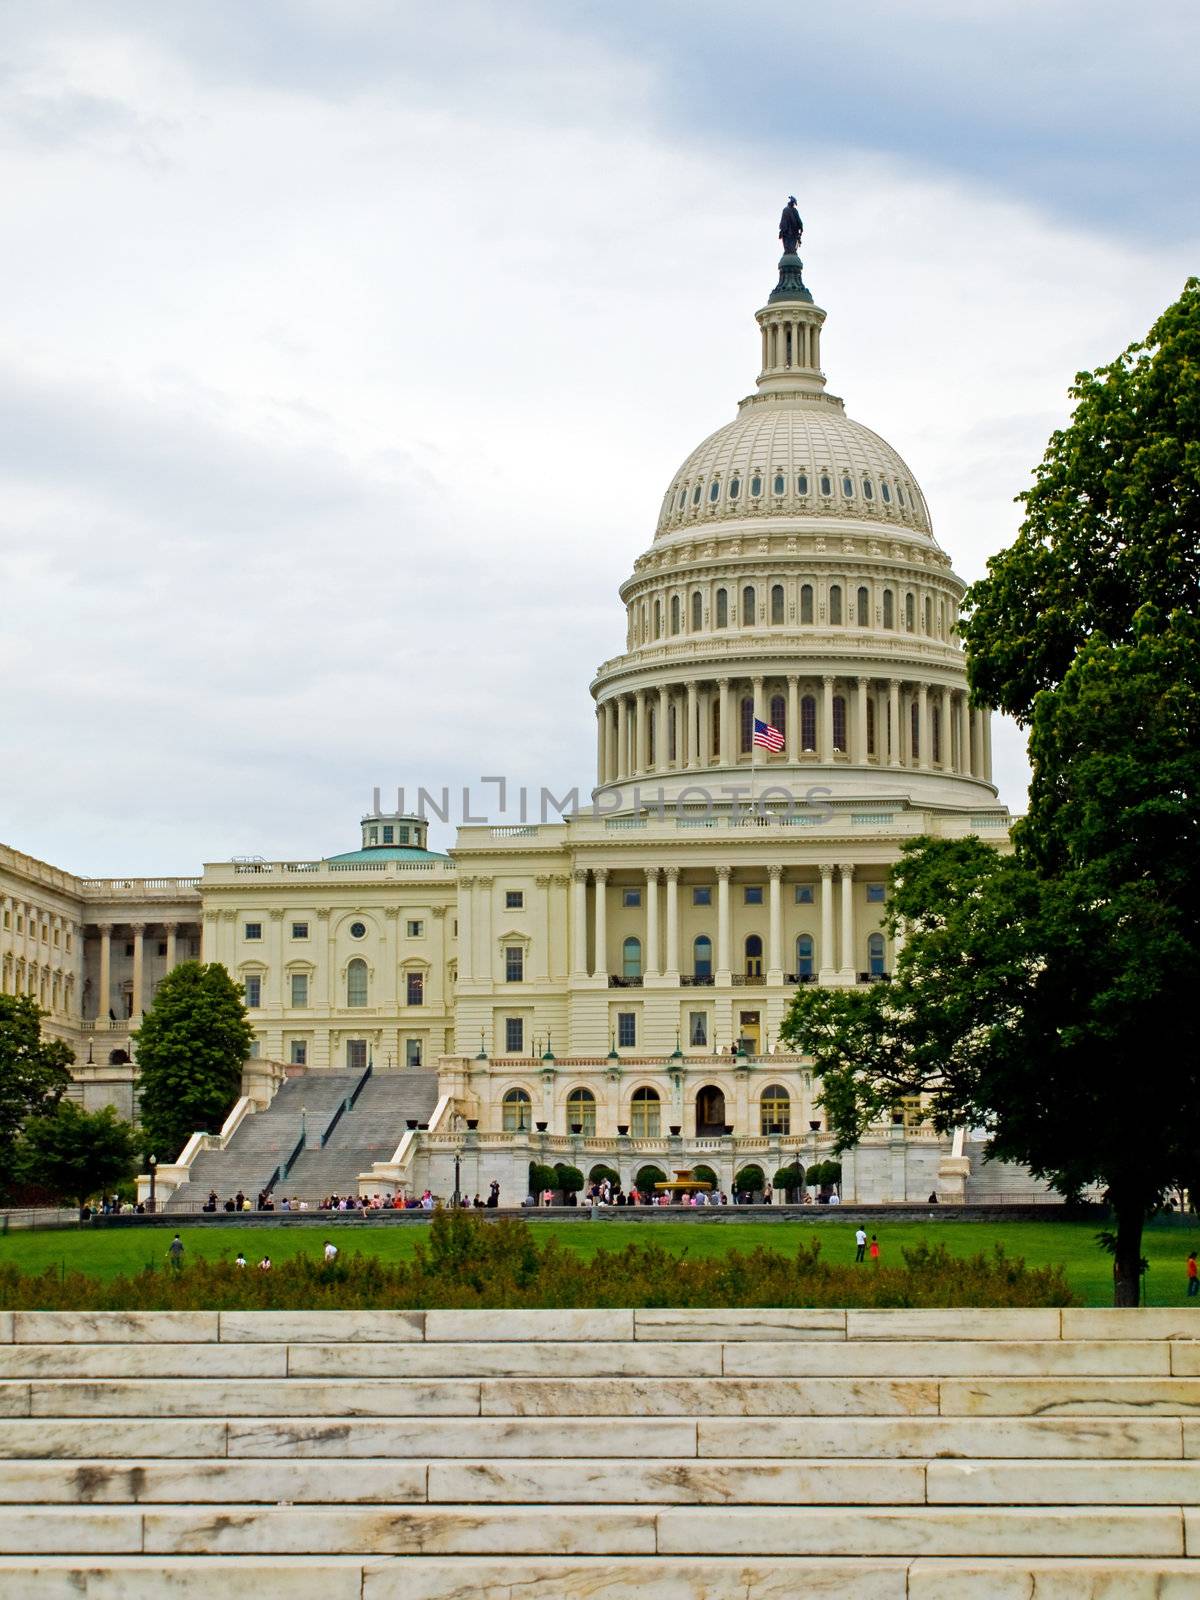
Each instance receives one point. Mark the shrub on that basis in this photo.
(599, 1172)
(706, 1175)
(647, 1177)
(541, 1177)
(568, 1179)
(750, 1180)
(789, 1179)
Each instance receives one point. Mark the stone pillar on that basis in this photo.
(827, 719)
(652, 963)
(172, 929)
(724, 928)
(963, 718)
(793, 716)
(826, 968)
(104, 993)
(985, 718)
(775, 925)
(466, 943)
(601, 744)
(848, 922)
(760, 709)
(671, 874)
(860, 724)
(622, 738)
(641, 759)
(580, 922)
(946, 733)
(693, 727)
(925, 758)
(894, 722)
(726, 723)
(600, 924)
(977, 762)
(139, 950)
(662, 728)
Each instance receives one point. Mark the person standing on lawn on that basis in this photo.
(175, 1252)
(874, 1250)
(860, 1243)
(1193, 1282)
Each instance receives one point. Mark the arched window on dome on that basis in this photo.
(839, 723)
(802, 484)
(735, 488)
(776, 604)
(935, 733)
(910, 613)
(889, 609)
(826, 484)
(516, 1112)
(682, 499)
(672, 737)
(868, 489)
(697, 611)
(747, 724)
(928, 615)
(806, 603)
(808, 724)
(356, 982)
(863, 610)
(886, 492)
(870, 725)
(804, 956)
(631, 958)
(696, 493)
(835, 605)
(780, 483)
(899, 495)
(756, 485)
(675, 622)
(722, 608)
(714, 490)
(848, 486)
(914, 749)
(645, 1114)
(778, 713)
(658, 619)
(875, 955)
(749, 607)
(702, 956)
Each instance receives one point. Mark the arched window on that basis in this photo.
(682, 499)
(806, 603)
(780, 483)
(928, 615)
(875, 955)
(747, 725)
(515, 1110)
(658, 619)
(356, 983)
(935, 733)
(914, 753)
(631, 958)
(910, 613)
(702, 956)
(715, 748)
(871, 725)
(776, 603)
(674, 613)
(863, 611)
(645, 1114)
(652, 735)
(804, 956)
(848, 487)
(808, 723)
(779, 713)
(839, 722)
(885, 492)
(735, 488)
(899, 494)
(753, 956)
(714, 491)
(889, 609)
(826, 484)
(835, 605)
(697, 612)
(581, 1112)
(722, 608)
(696, 493)
(868, 489)
(802, 483)
(775, 1109)
(749, 608)
(756, 485)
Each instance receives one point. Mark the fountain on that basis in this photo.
(684, 1183)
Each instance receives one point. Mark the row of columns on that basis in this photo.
(790, 342)
(104, 981)
(623, 746)
(655, 967)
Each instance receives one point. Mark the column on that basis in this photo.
(693, 727)
(760, 709)
(578, 923)
(622, 738)
(947, 733)
(641, 758)
(104, 992)
(775, 925)
(466, 963)
(985, 718)
(962, 716)
(848, 922)
(726, 722)
(977, 767)
(860, 724)
(671, 874)
(613, 762)
(827, 719)
(172, 929)
(601, 744)
(926, 754)
(724, 931)
(893, 722)
(793, 717)
(600, 927)
(826, 967)
(652, 966)
(139, 945)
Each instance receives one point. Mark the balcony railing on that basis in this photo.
(616, 981)
(696, 980)
(748, 980)
(873, 977)
(799, 977)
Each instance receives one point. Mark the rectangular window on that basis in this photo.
(412, 1053)
(804, 894)
(356, 1055)
(162, 946)
(299, 930)
(627, 1029)
(253, 991)
(753, 894)
(415, 985)
(698, 1028)
(514, 1035)
(514, 899)
(253, 930)
(299, 1053)
(128, 947)
(876, 893)
(414, 930)
(389, 833)
(514, 964)
(702, 896)
(299, 989)
(255, 1049)
(631, 897)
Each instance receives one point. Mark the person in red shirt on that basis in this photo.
(873, 1250)
(1193, 1280)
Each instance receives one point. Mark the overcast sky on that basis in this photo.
(347, 348)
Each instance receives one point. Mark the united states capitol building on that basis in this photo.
(608, 987)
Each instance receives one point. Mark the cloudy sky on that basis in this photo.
(347, 347)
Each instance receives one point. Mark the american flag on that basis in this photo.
(767, 737)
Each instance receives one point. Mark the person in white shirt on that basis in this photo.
(860, 1244)
(241, 1260)
(330, 1250)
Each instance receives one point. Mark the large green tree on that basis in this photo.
(33, 1072)
(75, 1153)
(190, 1050)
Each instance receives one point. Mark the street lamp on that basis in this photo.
(457, 1200)
(151, 1204)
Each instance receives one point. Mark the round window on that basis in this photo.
(358, 930)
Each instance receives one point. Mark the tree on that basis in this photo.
(190, 1050)
(33, 1072)
(75, 1153)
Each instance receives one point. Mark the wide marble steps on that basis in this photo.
(670, 1455)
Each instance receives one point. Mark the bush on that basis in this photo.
(789, 1179)
(600, 1172)
(647, 1177)
(706, 1175)
(541, 1177)
(750, 1180)
(568, 1179)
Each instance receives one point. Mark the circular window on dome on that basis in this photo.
(756, 486)
(886, 493)
(696, 495)
(826, 484)
(358, 930)
(848, 488)
(735, 488)
(714, 491)
(802, 483)
(868, 489)
(780, 483)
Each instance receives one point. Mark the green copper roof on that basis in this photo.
(389, 852)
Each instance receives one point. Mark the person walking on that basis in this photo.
(860, 1243)
(175, 1252)
(874, 1250)
(1193, 1281)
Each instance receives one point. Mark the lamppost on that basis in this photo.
(152, 1204)
(457, 1200)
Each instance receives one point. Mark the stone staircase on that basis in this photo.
(368, 1132)
(667, 1455)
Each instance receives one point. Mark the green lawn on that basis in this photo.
(108, 1253)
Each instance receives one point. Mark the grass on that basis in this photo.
(106, 1255)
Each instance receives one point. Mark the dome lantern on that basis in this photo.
(790, 325)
